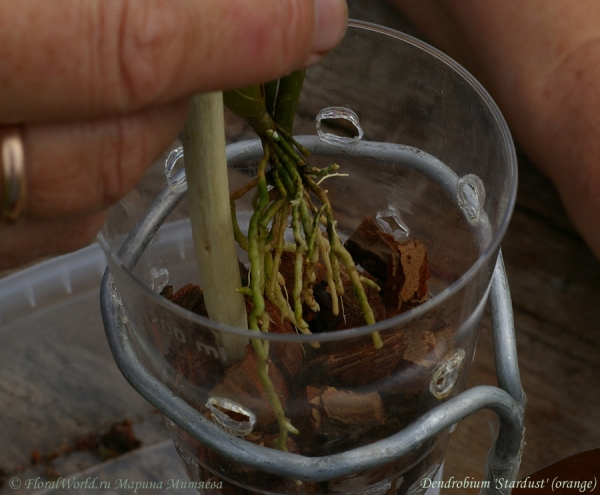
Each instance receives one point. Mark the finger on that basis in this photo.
(76, 169)
(72, 59)
(31, 240)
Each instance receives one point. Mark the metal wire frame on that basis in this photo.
(507, 400)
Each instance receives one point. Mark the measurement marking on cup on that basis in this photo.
(179, 335)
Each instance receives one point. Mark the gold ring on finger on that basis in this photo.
(13, 189)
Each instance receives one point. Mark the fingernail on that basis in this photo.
(331, 24)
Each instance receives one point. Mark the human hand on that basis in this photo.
(540, 60)
(99, 89)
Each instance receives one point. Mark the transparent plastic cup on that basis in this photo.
(428, 156)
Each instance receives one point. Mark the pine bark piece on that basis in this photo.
(402, 268)
(415, 272)
(199, 368)
(119, 440)
(242, 384)
(346, 407)
(190, 297)
(332, 420)
(372, 248)
(357, 364)
(350, 311)
(429, 341)
(427, 347)
(424, 342)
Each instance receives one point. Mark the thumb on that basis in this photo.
(259, 40)
(97, 58)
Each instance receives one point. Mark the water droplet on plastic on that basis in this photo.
(114, 291)
(188, 459)
(30, 295)
(390, 221)
(160, 278)
(181, 249)
(452, 428)
(470, 195)
(119, 310)
(337, 113)
(446, 375)
(178, 180)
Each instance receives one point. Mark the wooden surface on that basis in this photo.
(555, 285)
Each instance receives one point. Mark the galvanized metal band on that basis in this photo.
(293, 465)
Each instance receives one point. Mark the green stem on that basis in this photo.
(270, 110)
(288, 97)
(249, 103)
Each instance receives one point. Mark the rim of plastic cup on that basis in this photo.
(412, 314)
